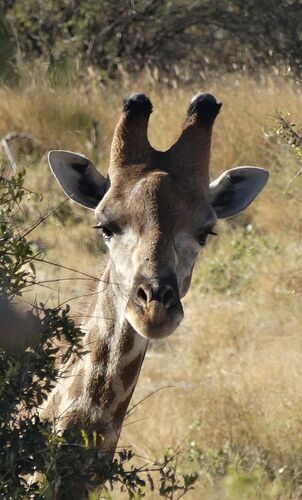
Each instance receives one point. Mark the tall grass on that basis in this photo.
(231, 374)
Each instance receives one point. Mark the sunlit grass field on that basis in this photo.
(227, 389)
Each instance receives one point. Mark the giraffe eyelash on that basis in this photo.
(202, 237)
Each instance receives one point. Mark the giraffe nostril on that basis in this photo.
(168, 296)
(164, 294)
(141, 297)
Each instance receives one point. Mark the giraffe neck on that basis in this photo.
(96, 393)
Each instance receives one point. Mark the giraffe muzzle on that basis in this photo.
(155, 309)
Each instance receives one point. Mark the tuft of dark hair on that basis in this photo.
(137, 104)
(205, 107)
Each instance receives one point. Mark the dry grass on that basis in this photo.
(235, 365)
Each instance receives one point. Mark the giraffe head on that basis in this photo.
(156, 209)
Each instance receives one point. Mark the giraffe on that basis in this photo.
(155, 211)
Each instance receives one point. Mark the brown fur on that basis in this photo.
(77, 385)
(122, 408)
(100, 353)
(86, 307)
(74, 418)
(130, 371)
(101, 391)
(127, 342)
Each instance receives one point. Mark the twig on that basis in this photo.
(297, 174)
(10, 137)
(130, 411)
(19, 135)
(9, 154)
(68, 269)
(42, 219)
(296, 138)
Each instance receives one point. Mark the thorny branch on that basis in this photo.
(293, 138)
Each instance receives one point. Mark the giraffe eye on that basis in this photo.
(106, 232)
(202, 237)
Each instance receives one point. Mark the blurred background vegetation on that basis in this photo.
(228, 392)
(179, 39)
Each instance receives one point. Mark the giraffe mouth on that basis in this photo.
(155, 321)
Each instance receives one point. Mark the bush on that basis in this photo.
(179, 38)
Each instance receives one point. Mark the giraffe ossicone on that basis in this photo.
(155, 211)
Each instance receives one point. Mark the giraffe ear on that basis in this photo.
(78, 177)
(235, 189)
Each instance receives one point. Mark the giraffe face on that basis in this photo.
(154, 230)
(156, 209)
